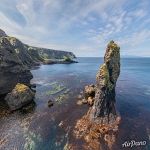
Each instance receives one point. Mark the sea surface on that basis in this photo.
(37, 126)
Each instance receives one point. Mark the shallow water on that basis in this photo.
(36, 127)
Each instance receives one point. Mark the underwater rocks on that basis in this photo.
(96, 136)
(50, 103)
(21, 95)
(103, 110)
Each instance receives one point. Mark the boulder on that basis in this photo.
(20, 96)
(50, 103)
(103, 110)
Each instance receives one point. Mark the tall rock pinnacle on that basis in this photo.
(103, 110)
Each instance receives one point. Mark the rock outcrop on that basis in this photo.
(2, 33)
(16, 59)
(20, 96)
(103, 110)
(12, 69)
(99, 126)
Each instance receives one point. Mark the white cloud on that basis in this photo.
(77, 25)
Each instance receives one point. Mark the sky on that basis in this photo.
(83, 27)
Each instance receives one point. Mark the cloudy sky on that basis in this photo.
(81, 26)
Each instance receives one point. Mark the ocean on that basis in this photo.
(37, 126)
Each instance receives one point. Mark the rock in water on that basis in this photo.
(20, 96)
(103, 110)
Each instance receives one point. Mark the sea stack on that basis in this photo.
(103, 110)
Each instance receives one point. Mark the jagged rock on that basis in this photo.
(16, 59)
(20, 96)
(89, 91)
(103, 110)
(90, 101)
(2, 33)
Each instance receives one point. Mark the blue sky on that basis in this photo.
(81, 26)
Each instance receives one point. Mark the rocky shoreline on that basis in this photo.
(17, 58)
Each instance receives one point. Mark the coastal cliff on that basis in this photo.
(17, 58)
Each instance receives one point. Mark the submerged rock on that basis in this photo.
(20, 96)
(50, 103)
(103, 110)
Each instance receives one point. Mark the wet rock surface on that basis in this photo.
(20, 96)
(50, 103)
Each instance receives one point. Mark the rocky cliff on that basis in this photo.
(16, 58)
(12, 68)
(98, 128)
(103, 110)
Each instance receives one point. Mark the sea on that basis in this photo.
(39, 127)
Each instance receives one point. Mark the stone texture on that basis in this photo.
(12, 69)
(103, 110)
(20, 96)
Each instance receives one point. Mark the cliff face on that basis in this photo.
(2, 33)
(12, 68)
(103, 110)
(16, 58)
(99, 126)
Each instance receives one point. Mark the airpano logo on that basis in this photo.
(133, 143)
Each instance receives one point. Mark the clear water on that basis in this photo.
(37, 127)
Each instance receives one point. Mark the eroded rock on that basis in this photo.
(99, 126)
(89, 91)
(103, 110)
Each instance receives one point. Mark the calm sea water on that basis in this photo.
(37, 126)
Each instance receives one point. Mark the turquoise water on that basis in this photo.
(38, 126)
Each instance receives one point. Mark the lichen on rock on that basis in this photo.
(20, 96)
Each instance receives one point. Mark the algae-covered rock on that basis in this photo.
(20, 96)
(104, 110)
